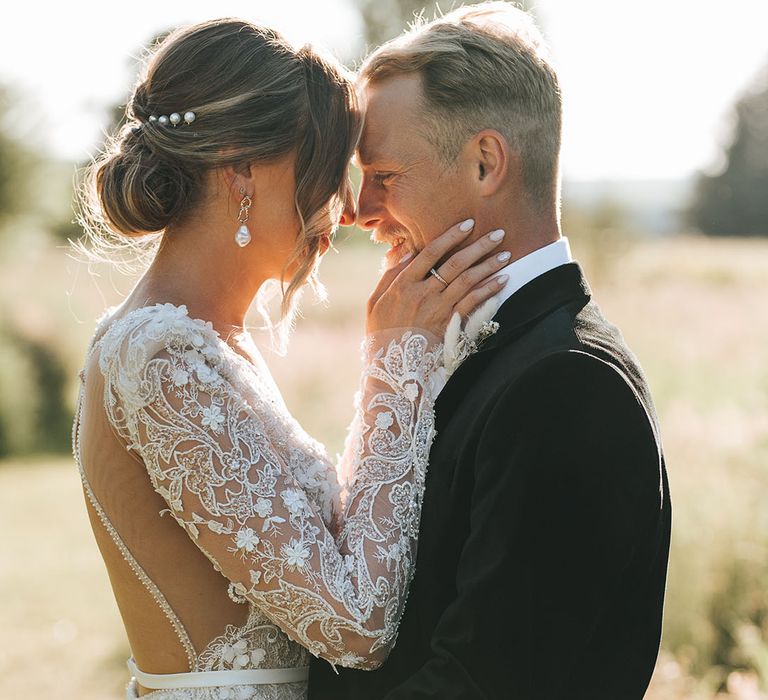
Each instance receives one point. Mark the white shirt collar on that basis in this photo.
(531, 266)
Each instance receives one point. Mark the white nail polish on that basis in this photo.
(405, 257)
(503, 257)
(496, 235)
(466, 225)
(501, 280)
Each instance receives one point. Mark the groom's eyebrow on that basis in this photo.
(366, 155)
(365, 158)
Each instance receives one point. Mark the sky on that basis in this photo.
(648, 86)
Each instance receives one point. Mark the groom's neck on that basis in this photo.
(527, 227)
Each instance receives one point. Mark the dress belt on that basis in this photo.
(212, 679)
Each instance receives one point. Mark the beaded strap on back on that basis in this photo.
(154, 591)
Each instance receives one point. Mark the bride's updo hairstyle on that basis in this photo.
(255, 99)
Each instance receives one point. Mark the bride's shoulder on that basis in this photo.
(143, 332)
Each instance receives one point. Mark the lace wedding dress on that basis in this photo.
(324, 568)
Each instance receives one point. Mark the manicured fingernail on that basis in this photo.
(496, 235)
(405, 257)
(466, 225)
(503, 257)
(501, 280)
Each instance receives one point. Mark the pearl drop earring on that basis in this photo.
(243, 235)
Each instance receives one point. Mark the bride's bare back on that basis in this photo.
(211, 447)
(176, 607)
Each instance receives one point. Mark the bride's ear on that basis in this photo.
(491, 158)
(240, 179)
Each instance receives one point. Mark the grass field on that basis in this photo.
(692, 309)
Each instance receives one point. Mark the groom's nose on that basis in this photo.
(349, 213)
(368, 207)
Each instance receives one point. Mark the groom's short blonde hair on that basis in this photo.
(483, 66)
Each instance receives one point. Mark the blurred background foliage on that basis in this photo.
(384, 20)
(733, 201)
(688, 289)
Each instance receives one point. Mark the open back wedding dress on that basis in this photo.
(229, 545)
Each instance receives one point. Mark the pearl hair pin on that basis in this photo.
(174, 119)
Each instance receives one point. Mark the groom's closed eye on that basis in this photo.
(383, 178)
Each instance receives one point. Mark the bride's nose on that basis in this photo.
(349, 214)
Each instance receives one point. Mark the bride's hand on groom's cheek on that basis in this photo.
(417, 294)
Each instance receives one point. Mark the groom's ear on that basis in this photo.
(490, 158)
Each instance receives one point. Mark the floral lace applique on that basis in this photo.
(257, 644)
(256, 494)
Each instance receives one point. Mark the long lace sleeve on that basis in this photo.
(223, 466)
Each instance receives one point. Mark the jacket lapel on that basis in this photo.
(562, 286)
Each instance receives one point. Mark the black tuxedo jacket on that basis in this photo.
(544, 537)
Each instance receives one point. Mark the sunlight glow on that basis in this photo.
(647, 87)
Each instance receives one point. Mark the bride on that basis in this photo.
(233, 546)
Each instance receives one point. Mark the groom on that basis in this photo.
(545, 529)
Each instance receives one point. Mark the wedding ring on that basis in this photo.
(437, 276)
